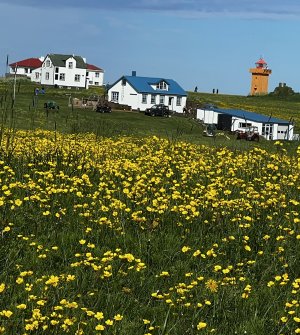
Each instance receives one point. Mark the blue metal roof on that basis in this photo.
(143, 85)
(251, 116)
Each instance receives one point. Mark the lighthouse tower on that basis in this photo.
(260, 78)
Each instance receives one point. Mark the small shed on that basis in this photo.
(269, 127)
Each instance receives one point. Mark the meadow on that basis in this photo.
(142, 226)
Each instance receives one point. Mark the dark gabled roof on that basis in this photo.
(251, 116)
(60, 60)
(32, 63)
(93, 68)
(143, 85)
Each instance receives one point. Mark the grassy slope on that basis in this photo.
(25, 115)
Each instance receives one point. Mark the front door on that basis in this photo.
(171, 103)
(267, 131)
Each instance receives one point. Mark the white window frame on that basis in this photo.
(47, 75)
(162, 99)
(162, 85)
(115, 96)
(144, 98)
(153, 99)
(244, 125)
(62, 76)
(70, 65)
(77, 78)
(96, 74)
(178, 101)
(48, 63)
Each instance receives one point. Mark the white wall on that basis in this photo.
(92, 80)
(128, 96)
(207, 116)
(21, 71)
(36, 75)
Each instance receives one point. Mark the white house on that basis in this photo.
(232, 120)
(94, 75)
(64, 70)
(25, 67)
(60, 70)
(141, 93)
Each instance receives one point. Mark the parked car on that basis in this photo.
(158, 110)
(249, 134)
(103, 109)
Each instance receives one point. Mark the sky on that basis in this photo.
(210, 44)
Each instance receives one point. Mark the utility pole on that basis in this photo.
(15, 79)
(6, 69)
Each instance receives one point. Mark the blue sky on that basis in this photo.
(204, 43)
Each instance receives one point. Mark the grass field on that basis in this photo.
(123, 224)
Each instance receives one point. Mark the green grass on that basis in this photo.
(28, 113)
(162, 234)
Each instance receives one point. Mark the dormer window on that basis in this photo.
(70, 65)
(47, 63)
(162, 85)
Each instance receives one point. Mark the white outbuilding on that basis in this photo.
(269, 127)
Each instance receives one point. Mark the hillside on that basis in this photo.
(28, 113)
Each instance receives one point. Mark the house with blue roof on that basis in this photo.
(234, 120)
(141, 93)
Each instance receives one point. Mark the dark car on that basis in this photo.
(103, 109)
(158, 110)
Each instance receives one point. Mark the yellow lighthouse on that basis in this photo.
(260, 78)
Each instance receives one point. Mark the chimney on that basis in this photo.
(133, 73)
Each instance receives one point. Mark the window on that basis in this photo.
(161, 85)
(77, 77)
(47, 62)
(26, 70)
(56, 77)
(244, 125)
(37, 75)
(90, 82)
(178, 101)
(47, 75)
(144, 98)
(115, 96)
(87, 74)
(71, 66)
(161, 99)
(56, 70)
(97, 83)
(97, 74)
(62, 77)
(153, 99)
